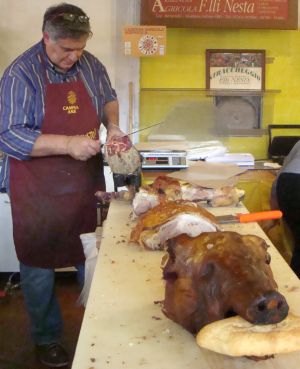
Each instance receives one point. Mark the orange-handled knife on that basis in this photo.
(249, 217)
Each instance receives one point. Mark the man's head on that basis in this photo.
(66, 29)
(66, 21)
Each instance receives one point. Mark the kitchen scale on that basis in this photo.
(164, 159)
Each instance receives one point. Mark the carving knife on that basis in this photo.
(249, 217)
(142, 129)
(136, 131)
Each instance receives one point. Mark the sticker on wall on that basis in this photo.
(144, 40)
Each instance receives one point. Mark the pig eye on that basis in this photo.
(268, 258)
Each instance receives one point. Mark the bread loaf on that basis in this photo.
(236, 337)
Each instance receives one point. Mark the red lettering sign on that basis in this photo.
(281, 14)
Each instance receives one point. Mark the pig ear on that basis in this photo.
(168, 273)
(268, 258)
(171, 249)
(207, 270)
(167, 264)
(164, 260)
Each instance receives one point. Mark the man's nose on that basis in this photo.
(75, 55)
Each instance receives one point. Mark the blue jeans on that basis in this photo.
(37, 284)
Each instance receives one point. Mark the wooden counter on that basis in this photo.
(123, 326)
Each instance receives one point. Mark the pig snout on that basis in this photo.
(270, 308)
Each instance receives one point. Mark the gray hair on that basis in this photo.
(57, 26)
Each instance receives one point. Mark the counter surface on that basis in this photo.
(123, 326)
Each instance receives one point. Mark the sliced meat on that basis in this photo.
(169, 189)
(169, 220)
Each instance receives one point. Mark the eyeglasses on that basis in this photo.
(72, 17)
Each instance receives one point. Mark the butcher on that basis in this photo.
(53, 99)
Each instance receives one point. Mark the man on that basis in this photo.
(52, 100)
(286, 192)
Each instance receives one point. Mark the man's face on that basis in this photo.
(64, 52)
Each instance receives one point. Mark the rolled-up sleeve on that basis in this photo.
(17, 118)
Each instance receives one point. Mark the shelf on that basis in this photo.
(210, 92)
(242, 132)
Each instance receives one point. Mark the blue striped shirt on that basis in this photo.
(22, 98)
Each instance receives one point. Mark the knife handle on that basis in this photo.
(262, 215)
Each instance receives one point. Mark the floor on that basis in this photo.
(16, 348)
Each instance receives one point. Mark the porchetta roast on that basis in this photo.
(170, 219)
(165, 188)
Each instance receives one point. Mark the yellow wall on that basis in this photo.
(184, 67)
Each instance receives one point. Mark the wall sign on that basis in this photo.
(144, 40)
(235, 69)
(269, 14)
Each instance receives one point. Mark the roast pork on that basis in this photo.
(169, 189)
(168, 220)
(219, 274)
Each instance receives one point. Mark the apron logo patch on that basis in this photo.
(72, 98)
(92, 134)
(71, 108)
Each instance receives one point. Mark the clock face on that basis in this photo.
(148, 45)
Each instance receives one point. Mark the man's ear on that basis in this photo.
(46, 37)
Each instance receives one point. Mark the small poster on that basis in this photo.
(144, 40)
(235, 69)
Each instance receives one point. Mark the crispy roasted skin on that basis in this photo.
(165, 181)
(166, 189)
(219, 274)
(170, 187)
(165, 211)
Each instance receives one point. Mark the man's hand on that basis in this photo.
(78, 147)
(82, 148)
(113, 131)
(116, 141)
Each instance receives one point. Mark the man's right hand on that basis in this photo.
(78, 147)
(82, 148)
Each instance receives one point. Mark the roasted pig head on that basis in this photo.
(219, 274)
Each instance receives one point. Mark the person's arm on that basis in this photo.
(294, 153)
(78, 147)
(20, 133)
(17, 137)
(111, 113)
(111, 116)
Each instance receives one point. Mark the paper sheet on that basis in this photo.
(210, 175)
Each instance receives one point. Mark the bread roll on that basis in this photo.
(236, 337)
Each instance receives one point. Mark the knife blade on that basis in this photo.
(249, 217)
(142, 129)
(133, 132)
